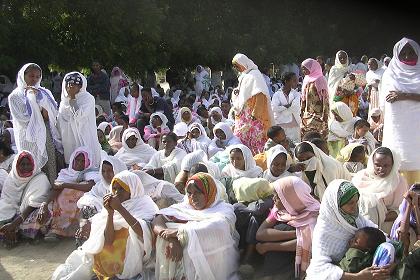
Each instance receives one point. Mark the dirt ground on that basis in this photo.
(33, 261)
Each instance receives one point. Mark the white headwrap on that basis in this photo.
(273, 152)
(337, 72)
(251, 168)
(371, 75)
(162, 117)
(103, 125)
(69, 175)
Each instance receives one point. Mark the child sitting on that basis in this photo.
(362, 135)
(353, 157)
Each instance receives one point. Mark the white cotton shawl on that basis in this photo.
(94, 198)
(342, 129)
(134, 105)
(78, 127)
(229, 141)
(251, 83)
(219, 111)
(330, 237)
(171, 165)
(326, 168)
(140, 154)
(337, 72)
(211, 239)
(273, 152)
(371, 75)
(28, 123)
(103, 125)
(283, 115)
(401, 133)
(373, 188)
(18, 193)
(200, 156)
(162, 117)
(251, 168)
(143, 209)
(69, 175)
(203, 140)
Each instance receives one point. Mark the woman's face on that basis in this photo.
(134, 92)
(351, 207)
(186, 116)
(195, 133)
(278, 165)
(32, 77)
(168, 143)
(216, 116)
(342, 56)
(293, 82)
(407, 53)
(25, 165)
(107, 172)
(131, 141)
(305, 71)
(238, 67)
(372, 64)
(220, 134)
(376, 118)
(382, 165)
(156, 121)
(73, 89)
(119, 192)
(237, 159)
(79, 162)
(107, 130)
(101, 136)
(305, 156)
(195, 196)
(277, 201)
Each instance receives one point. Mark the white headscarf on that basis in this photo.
(94, 198)
(103, 125)
(134, 104)
(273, 152)
(181, 129)
(175, 98)
(219, 111)
(371, 75)
(143, 209)
(251, 168)
(337, 72)
(342, 129)
(69, 175)
(28, 123)
(227, 130)
(162, 117)
(140, 154)
(203, 139)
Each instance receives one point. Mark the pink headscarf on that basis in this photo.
(301, 212)
(316, 76)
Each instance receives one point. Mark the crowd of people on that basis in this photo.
(310, 176)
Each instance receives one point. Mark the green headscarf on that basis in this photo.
(346, 192)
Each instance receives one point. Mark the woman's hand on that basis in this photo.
(107, 205)
(366, 274)
(43, 213)
(168, 233)
(115, 203)
(174, 250)
(395, 96)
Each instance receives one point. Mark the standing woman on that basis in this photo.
(401, 87)
(34, 113)
(252, 105)
(337, 72)
(314, 100)
(373, 78)
(76, 118)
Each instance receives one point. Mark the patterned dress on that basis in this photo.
(314, 112)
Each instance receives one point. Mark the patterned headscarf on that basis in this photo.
(74, 78)
(207, 186)
(20, 172)
(346, 192)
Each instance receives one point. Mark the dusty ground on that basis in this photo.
(33, 261)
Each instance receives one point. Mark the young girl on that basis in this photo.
(223, 138)
(362, 136)
(353, 157)
(158, 127)
(277, 164)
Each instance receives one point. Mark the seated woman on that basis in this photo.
(134, 152)
(381, 188)
(353, 156)
(24, 190)
(189, 232)
(286, 234)
(166, 164)
(158, 127)
(337, 223)
(215, 117)
(198, 138)
(277, 164)
(318, 169)
(104, 142)
(91, 202)
(223, 138)
(60, 211)
(186, 116)
(376, 124)
(120, 242)
(106, 128)
(115, 137)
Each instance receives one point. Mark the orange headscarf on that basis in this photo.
(207, 186)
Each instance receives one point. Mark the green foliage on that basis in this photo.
(140, 35)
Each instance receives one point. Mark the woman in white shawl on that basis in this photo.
(156, 129)
(199, 136)
(33, 109)
(242, 163)
(197, 238)
(337, 223)
(252, 105)
(381, 188)
(215, 117)
(318, 169)
(286, 107)
(166, 163)
(401, 90)
(134, 152)
(202, 80)
(223, 138)
(24, 190)
(278, 163)
(120, 242)
(337, 72)
(76, 118)
(115, 136)
(60, 211)
(92, 201)
(115, 80)
(134, 102)
(373, 78)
